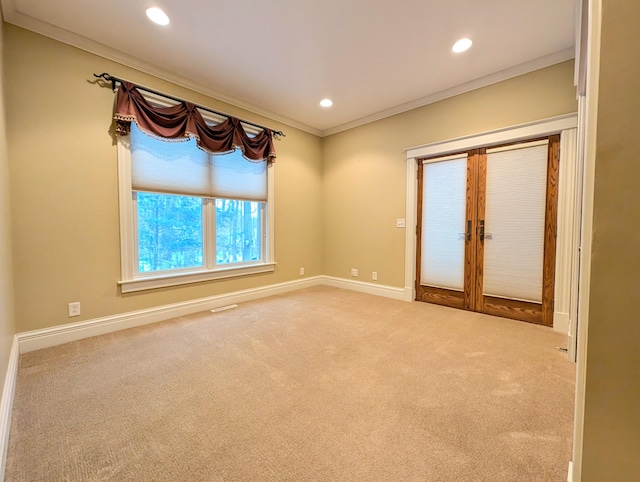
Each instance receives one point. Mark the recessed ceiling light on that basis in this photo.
(326, 102)
(462, 45)
(158, 16)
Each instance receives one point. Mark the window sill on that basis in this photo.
(175, 279)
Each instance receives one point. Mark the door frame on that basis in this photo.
(562, 125)
(472, 296)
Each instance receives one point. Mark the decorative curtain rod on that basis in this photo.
(113, 80)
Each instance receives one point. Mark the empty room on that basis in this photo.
(319, 240)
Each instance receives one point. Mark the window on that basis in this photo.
(189, 216)
(169, 230)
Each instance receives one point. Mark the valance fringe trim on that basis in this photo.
(115, 80)
(182, 121)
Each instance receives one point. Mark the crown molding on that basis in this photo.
(14, 17)
(485, 81)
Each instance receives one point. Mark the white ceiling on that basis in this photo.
(281, 57)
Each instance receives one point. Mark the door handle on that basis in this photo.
(467, 235)
(483, 234)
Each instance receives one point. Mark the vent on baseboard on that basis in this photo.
(223, 308)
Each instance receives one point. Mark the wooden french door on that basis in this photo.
(486, 230)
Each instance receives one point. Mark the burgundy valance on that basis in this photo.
(184, 120)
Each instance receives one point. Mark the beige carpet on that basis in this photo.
(321, 384)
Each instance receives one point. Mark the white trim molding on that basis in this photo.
(153, 282)
(590, 127)
(57, 335)
(572, 351)
(363, 287)
(13, 16)
(567, 243)
(411, 225)
(561, 322)
(531, 66)
(520, 132)
(6, 404)
(564, 125)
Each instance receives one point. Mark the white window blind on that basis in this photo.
(183, 168)
(443, 218)
(514, 221)
(233, 177)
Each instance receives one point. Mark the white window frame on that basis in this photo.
(131, 280)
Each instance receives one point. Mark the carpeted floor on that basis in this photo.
(320, 384)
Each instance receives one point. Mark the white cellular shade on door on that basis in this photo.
(176, 167)
(443, 219)
(514, 217)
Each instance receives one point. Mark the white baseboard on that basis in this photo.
(570, 473)
(6, 404)
(57, 335)
(409, 293)
(561, 322)
(572, 348)
(363, 287)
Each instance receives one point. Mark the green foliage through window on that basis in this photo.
(169, 232)
(237, 231)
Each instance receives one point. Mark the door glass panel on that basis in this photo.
(514, 222)
(443, 218)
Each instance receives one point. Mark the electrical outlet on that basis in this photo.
(354, 272)
(301, 271)
(74, 309)
(374, 276)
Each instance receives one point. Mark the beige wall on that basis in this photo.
(336, 204)
(64, 192)
(612, 401)
(337, 199)
(7, 327)
(365, 167)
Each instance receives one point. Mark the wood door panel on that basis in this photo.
(481, 203)
(441, 296)
(514, 309)
(419, 232)
(550, 231)
(470, 243)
